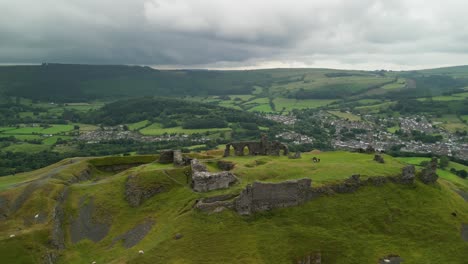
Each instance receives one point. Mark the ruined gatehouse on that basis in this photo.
(262, 147)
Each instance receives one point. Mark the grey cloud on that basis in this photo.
(233, 33)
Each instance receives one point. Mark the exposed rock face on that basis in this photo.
(266, 196)
(379, 158)
(136, 194)
(85, 226)
(407, 175)
(116, 168)
(464, 232)
(58, 235)
(225, 165)
(311, 259)
(263, 147)
(429, 174)
(377, 181)
(4, 208)
(132, 237)
(391, 259)
(204, 181)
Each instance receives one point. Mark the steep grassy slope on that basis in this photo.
(415, 222)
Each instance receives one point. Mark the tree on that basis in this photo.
(443, 162)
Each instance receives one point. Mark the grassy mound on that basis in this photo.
(421, 223)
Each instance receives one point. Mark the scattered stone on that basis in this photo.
(464, 232)
(379, 158)
(225, 165)
(141, 252)
(36, 216)
(391, 259)
(204, 181)
(94, 262)
(297, 155)
(407, 175)
(311, 259)
(12, 235)
(266, 196)
(215, 204)
(135, 194)
(178, 236)
(429, 174)
(377, 181)
(84, 226)
(132, 237)
(350, 185)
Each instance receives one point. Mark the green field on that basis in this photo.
(54, 129)
(26, 147)
(345, 115)
(290, 104)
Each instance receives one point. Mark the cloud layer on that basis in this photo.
(365, 34)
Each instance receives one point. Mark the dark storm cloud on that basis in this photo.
(235, 33)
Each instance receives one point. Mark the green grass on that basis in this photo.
(393, 129)
(54, 129)
(345, 115)
(157, 129)
(26, 147)
(290, 104)
(138, 125)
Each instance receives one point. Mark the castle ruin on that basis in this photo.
(262, 147)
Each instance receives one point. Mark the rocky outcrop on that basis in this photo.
(407, 175)
(4, 208)
(135, 194)
(225, 165)
(204, 181)
(391, 259)
(85, 226)
(310, 259)
(379, 158)
(116, 168)
(58, 235)
(266, 196)
(297, 155)
(132, 237)
(429, 174)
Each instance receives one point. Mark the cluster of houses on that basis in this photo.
(117, 133)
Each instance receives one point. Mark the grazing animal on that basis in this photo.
(315, 160)
(141, 252)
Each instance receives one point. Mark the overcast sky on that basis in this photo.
(360, 34)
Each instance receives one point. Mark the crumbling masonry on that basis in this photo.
(262, 147)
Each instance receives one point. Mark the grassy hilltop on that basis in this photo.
(416, 222)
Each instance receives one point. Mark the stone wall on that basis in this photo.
(429, 174)
(173, 156)
(266, 196)
(204, 181)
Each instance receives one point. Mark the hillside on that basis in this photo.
(93, 221)
(78, 83)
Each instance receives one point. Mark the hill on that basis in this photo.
(78, 83)
(77, 211)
